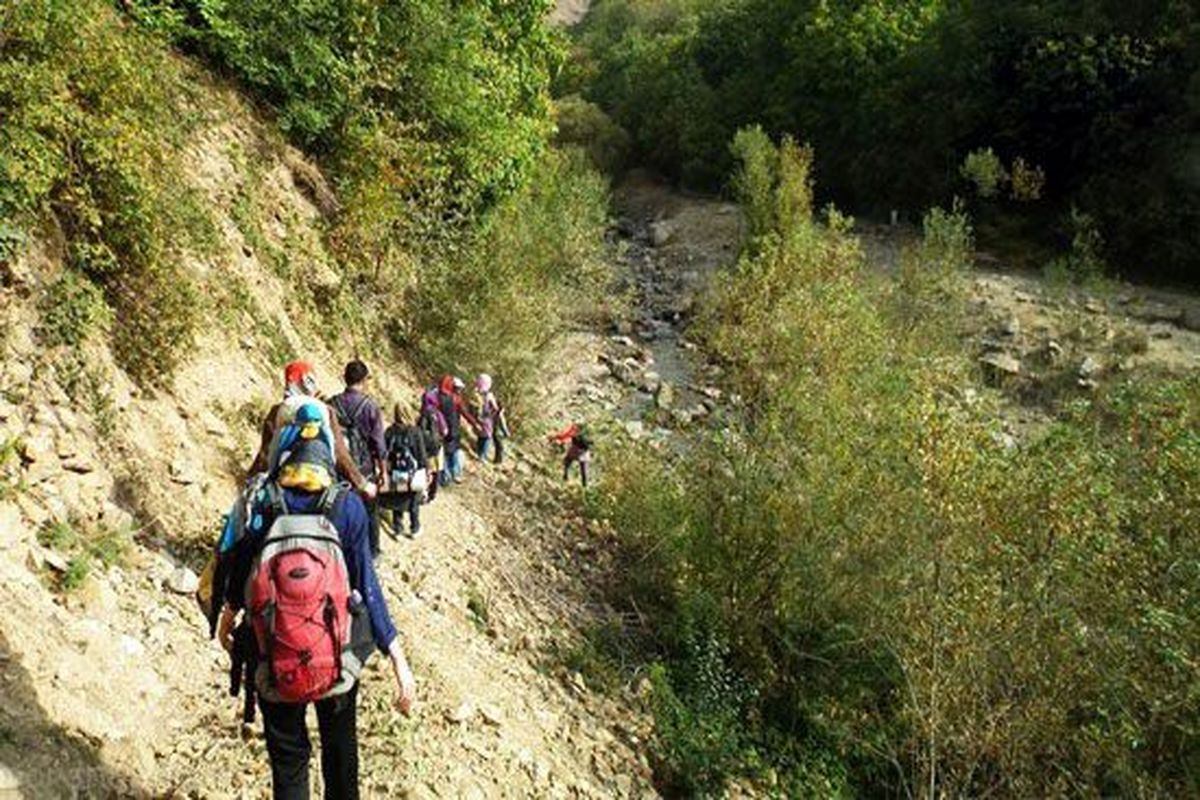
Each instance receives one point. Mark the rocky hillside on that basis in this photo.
(111, 496)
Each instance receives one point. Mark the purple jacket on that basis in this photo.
(367, 418)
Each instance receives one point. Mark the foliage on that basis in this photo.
(1098, 99)
(912, 608)
(464, 84)
(71, 307)
(83, 545)
(93, 116)
(585, 125)
(495, 302)
(984, 169)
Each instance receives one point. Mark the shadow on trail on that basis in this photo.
(49, 760)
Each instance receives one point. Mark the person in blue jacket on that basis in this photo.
(304, 473)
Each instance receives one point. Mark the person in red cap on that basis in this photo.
(298, 379)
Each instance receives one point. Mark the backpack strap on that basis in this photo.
(276, 500)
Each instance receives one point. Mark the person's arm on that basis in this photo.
(466, 414)
(353, 525)
(418, 441)
(376, 443)
(264, 446)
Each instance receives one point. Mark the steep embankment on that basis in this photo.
(111, 494)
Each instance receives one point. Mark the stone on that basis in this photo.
(1190, 320)
(183, 581)
(78, 465)
(661, 233)
(1002, 363)
(1088, 368)
(1094, 307)
(54, 560)
(664, 395)
(491, 715)
(462, 714)
(1011, 327)
(183, 473)
(9, 782)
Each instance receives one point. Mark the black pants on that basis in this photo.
(411, 503)
(289, 748)
(373, 531)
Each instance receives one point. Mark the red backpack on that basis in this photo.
(298, 600)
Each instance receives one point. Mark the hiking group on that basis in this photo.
(292, 593)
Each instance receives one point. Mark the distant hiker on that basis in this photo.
(362, 421)
(433, 428)
(493, 426)
(294, 562)
(408, 479)
(579, 450)
(298, 382)
(453, 410)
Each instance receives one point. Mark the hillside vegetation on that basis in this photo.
(454, 234)
(856, 587)
(1098, 99)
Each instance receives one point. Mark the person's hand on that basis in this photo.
(406, 685)
(225, 628)
(370, 491)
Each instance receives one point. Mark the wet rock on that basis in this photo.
(183, 581)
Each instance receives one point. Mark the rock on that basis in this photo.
(1088, 368)
(183, 581)
(1190, 319)
(1094, 307)
(78, 465)
(1023, 297)
(1002, 363)
(1158, 312)
(54, 560)
(464, 713)
(578, 682)
(635, 428)
(183, 472)
(9, 782)
(661, 233)
(491, 715)
(664, 395)
(1011, 327)
(651, 381)
(624, 341)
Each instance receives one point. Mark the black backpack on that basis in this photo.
(402, 454)
(427, 426)
(360, 451)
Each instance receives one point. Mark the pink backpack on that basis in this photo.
(298, 599)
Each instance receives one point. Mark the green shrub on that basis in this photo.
(494, 302)
(93, 117)
(71, 307)
(923, 610)
(584, 125)
(984, 170)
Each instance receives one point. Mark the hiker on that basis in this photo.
(450, 404)
(579, 451)
(493, 426)
(295, 551)
(407, 462)
(362, 421)
(299, 381)
(433, 430)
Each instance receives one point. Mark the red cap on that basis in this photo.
(295, 373)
